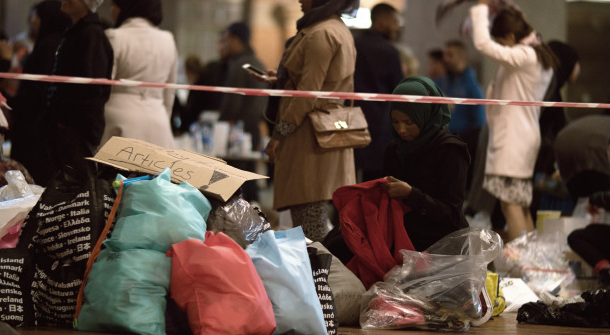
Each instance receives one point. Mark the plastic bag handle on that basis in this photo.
(96, 252)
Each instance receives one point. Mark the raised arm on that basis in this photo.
(515, 56)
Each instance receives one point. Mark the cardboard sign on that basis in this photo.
(212, 176)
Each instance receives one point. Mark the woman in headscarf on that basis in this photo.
(525, 69)
(321, 57)
(142, 52)
(28, 103)
(426, 165)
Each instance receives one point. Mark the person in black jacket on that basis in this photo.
(591, 243)
(73, 123)
(427, 165)
(378, 70)
(29, 100)
(6, 53)
(236, 51)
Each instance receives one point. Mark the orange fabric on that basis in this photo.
(97, 249)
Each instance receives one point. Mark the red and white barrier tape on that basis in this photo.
(301, 94)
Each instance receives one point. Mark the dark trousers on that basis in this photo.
(591, 243)
(471, 137)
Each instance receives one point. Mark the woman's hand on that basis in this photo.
(269, 77)
(271, 148)
(397, 189)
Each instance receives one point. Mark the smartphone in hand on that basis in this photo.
(254, 70)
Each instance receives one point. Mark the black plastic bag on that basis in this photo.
(176, 321)
(15, 280)
(593, 313)
(60, 232)
(238, 219)
(320, 267)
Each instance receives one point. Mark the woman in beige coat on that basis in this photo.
(321, 57)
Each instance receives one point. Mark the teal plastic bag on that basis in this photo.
(126, 292)
(127, 286)
(282, 262)
(154, 214)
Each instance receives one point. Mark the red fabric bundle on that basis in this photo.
(373, 228)
(216, 284)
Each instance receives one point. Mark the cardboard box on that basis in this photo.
(214, 177)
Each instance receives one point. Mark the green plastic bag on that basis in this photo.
(154, 214)
(126, 288)
(126, 292)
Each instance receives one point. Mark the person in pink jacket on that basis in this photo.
(525, 69)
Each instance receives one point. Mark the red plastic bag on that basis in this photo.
(216, 284)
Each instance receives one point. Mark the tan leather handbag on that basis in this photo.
(341, 127)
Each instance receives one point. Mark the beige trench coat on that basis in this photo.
(321, 57)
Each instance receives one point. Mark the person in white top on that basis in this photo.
(142, 52)
(525, 69)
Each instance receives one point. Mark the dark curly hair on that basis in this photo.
(151, 10)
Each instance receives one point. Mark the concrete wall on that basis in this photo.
(15, 15)
(589, 28)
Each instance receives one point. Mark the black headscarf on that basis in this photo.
(52, 19)
(323, 9)
(151, 10)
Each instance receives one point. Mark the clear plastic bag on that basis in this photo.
(17, 187)
(539, 260)
(470, 241)
(434, 291)
(238, 219)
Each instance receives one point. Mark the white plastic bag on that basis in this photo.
(16, 200)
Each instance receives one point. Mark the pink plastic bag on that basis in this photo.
(216, 284)
(10, 240)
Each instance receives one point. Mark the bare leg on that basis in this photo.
(517, 219)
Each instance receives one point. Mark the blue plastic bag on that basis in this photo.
(155, 214)
(282, 262)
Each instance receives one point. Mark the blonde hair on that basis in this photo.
(408, 61)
